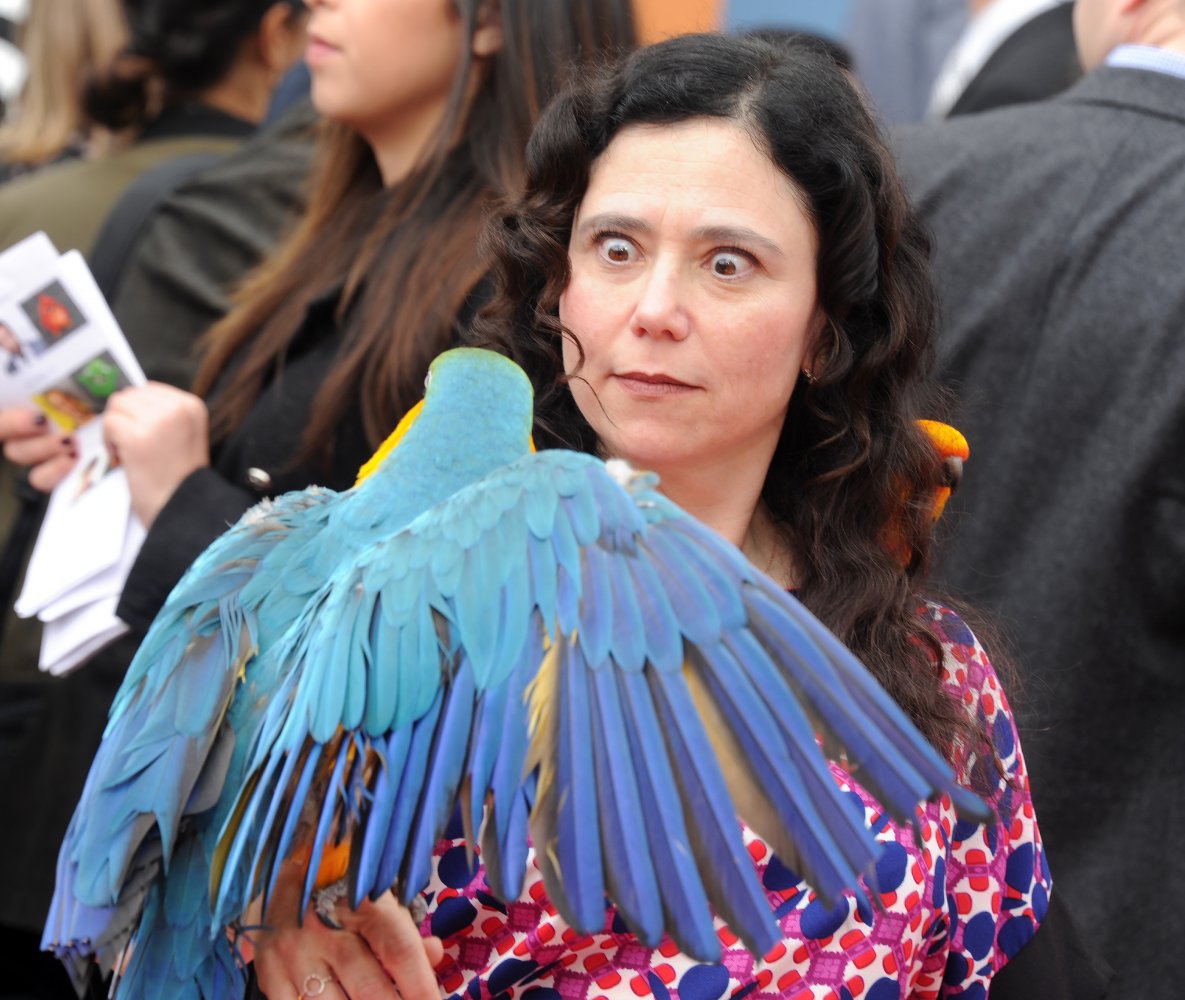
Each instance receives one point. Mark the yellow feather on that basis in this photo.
(543, 696)
(390, 444)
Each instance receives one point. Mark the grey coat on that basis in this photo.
(1059, 235)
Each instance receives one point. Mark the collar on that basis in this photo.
(1148, 57)
(193, 118)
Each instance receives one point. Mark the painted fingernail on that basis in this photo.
(73, 453)
(68, 442)
(40, 420)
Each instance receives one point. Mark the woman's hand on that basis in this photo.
(30, 439)
(378, 954)
(159, 434)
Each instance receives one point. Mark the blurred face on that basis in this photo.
(693, 295)
(383, 65)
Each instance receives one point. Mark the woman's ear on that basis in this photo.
(819, 346)
(282, 37)
(488, 37)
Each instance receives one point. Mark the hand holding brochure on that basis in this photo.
(62, 351)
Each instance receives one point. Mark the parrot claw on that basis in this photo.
(325, 902)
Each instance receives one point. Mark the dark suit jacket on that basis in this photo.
(1036, 61)
(1059, 229)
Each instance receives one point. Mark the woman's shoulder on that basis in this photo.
(967, 671)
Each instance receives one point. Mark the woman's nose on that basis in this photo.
(661, 309)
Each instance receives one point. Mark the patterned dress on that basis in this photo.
(956, 902)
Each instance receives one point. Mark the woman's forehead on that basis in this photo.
(707, 172)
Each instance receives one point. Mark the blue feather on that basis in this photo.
(684, 899)
(329, 807)
(629, 870)
(716, 841)
(407, 798)
(295, 805)
(797, 782)
(449, 751)
(597, 606)
(377, 819)
(664, 640)
(578, 849)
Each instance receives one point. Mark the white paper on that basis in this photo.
(72, 639)
(84, 529)
(62, 351)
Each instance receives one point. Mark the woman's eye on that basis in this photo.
(730, 264)
(617, 250)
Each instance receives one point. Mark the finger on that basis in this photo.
(19, 422)
(280, 959)
(433, 950)
(396, 941)
(47, 475)
(35, 450)
(358, 973)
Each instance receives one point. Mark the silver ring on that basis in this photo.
(314, 985)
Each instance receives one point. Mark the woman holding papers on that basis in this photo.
(429, 105)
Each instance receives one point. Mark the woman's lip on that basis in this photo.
(318, 49)
(649, 384)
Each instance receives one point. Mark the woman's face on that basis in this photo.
(693, 295)
(380, 65)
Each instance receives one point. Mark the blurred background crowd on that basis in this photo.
(1043, 143)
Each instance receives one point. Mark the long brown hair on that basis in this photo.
(852, 480)
(407, 257)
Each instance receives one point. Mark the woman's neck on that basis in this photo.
(731, 505)
(244, 92)
(400, 143)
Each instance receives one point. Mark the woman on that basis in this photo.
(430, 103)
(190, 79)
(61, 43)
(713, 273)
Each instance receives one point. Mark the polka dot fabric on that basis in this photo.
(955, 903)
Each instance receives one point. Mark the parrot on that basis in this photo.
(953, 452)
(539, 641)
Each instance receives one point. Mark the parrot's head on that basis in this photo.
(476, 402)
(953, 451)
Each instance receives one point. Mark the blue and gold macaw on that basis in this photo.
(539, 639)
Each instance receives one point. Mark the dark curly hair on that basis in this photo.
(852, 480)
(177, 48)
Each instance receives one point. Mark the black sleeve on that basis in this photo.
(200, 510)
(1056, 963)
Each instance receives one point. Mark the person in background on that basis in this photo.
(897, 48)
(1057, 230)
(190, 78)
(63, 42)
(429, 104)
(1012, 52)
(13, 68)
(714, 274)
(205, 237)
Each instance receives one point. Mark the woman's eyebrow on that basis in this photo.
(726, 235)
(739, 234)
(614, 222)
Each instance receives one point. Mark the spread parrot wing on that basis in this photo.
(568, 653)
(165, 750)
